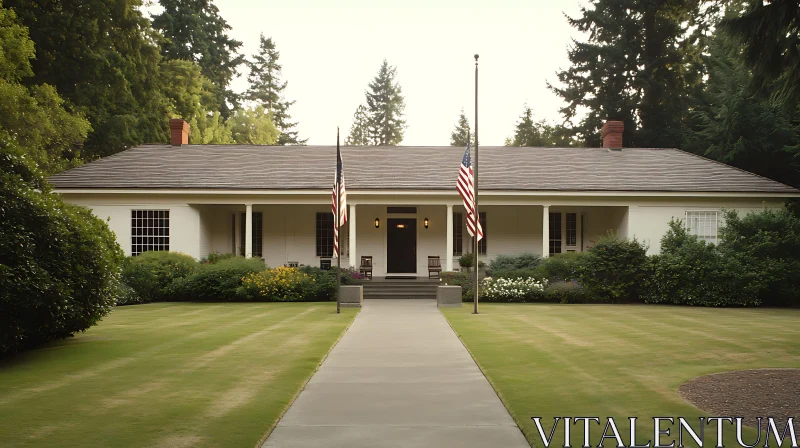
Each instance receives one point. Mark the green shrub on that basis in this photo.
(562, 267)
(465, 280)
(278, 285)
(768, 244)
(566, 292)
(323, 288)
(691, 272)
(216, 257)
(503, 263)
(615, 270)
(512, 290)
(128, 296)
(151, 273)
(467, 261)
(216, 282)
(59, 264)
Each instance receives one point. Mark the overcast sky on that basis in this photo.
(330, 50)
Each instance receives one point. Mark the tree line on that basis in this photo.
(719, 78)
(82, 80)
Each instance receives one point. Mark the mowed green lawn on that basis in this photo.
(618, 360)
(168, 375)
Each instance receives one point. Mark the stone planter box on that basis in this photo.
(352, 296)
(448, 296)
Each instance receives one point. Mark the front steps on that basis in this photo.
(380, 288)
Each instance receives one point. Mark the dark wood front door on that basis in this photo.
(401, 250)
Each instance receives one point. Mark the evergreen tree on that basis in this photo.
(195, 31)
(267, 89)
(770, 32)
(359, 131)
(750, 132)
(460, 134)
(102, 59)
(639, 66)
(385, 105)
(189, 92)
(538, 133)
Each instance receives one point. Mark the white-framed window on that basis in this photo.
(149, 230)
(704, 224)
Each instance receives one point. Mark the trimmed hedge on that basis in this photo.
(691, 272)
(562, 267)
(768, 244)
(59, 264)
(504, 263)
(152, 272)
(220, 281)
(615, 270)
(566, 292)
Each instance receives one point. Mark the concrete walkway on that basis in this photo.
(399, 377)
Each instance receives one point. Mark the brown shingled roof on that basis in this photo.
(233, 167)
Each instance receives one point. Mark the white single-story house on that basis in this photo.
(275, 202)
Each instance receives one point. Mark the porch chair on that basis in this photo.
(366, 266)
(434, 266)
(293, 264)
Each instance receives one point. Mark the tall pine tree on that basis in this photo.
(770, 32)
(528, 132)
(755, 133)
(266, 88)
(359, 131)
(460, 134)
(195, 31)
(385, 105)
(639, 66)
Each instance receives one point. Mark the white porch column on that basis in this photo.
(546, 231)
(352, 220)
(248, 231)
(449, 250)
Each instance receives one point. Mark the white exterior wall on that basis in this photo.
(184, 220)
(201, 224)
(648, 220)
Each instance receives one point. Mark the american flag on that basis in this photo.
(341, 198)
(466, 188)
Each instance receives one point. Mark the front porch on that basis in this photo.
(400, 238)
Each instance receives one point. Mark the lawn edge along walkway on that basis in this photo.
(269, 430)
(399, 377)
(488, 379)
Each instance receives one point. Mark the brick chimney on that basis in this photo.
(611, 134)
(179, 132)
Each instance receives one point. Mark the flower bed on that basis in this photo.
(512, 289)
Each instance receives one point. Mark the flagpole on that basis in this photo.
(338, 229)
(477, 214)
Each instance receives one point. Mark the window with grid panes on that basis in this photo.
(257, 233)
(572, 229)
(325, 234)
(703, 224)
(555, 233)
(458, 233)
(149, 230)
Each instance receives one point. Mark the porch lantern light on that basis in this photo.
(377, 223)
(426, 223)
